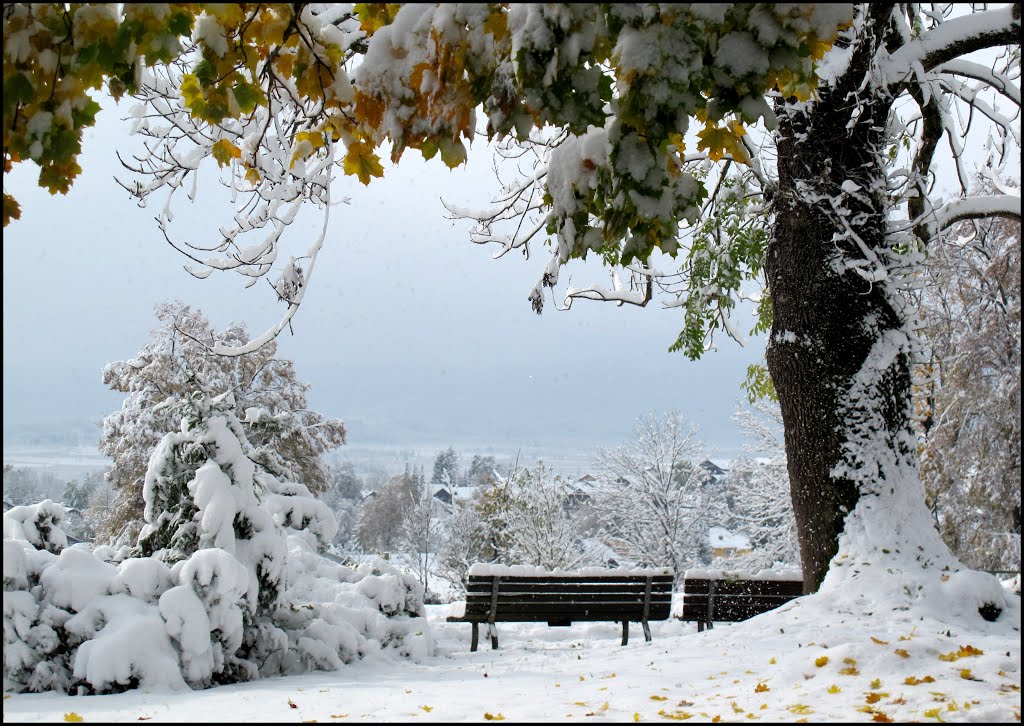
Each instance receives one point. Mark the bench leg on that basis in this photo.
(493, 632)
(647, 631)
(700, 626)
(625, 632)
(476, 638)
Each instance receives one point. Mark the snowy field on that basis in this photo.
(804, 662)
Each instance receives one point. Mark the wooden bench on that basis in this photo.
(563, 598)
(731, 598)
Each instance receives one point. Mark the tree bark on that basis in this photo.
(831, 324)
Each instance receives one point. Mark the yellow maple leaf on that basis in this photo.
(901, 653)
(580, 703)
(362, 162)
(736, 708)
(339, 715)
(933, 713)
(428, 709)
(761, 688)
(966, 674)
(821, 662)
(716, 719)
(880, 642)
(771, 661)
(915, 681)
(950, 656)
(875, 697)
(636, 717)
(224, 151)
(969, 650)
(850, 661)
(72, 716)
(494, 717)
(877, 683)
(659, 698)
(849, 671)
(880, 717)
(604, 707)
(800, 709)
(834, 688)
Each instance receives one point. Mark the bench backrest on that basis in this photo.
(734, 600)
(563, 599)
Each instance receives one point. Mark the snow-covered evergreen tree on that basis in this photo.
(225, 583)
(287, 436)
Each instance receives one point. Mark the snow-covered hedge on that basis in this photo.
(225, 584)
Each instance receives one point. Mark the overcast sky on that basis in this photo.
(410, 333)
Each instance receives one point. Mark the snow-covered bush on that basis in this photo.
(225, 584)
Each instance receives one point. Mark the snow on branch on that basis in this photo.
(980, 207)
(952, 39)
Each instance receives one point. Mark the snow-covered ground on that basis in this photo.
(804, 662)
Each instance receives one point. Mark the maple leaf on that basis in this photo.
(428, 709)
(636, 716)
(494, 716)
(901, 653)
(761, 688)
(875, 697)
(880, 717)
(880, 642)
(800, 709)
(361, 162)
(969, 650)
(915, 681)
(966, 674)
(877, 683)
(834, 688)
(933, 713)
(73, 717)
(821, 662)
(224, 151)
(659, 698)
(849, 671)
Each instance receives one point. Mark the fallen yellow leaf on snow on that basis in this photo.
(761, 688)
(822, 661)
(877, 683)
(901, 653)
(72, 716)
(659, 698)
(496, 716)
(428, 709)
(880, 642)
(834, 688)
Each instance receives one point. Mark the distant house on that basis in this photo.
(449, 496)
(725, 544)
(581, 490)
(711, 473)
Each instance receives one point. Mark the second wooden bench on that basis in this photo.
(731, 597)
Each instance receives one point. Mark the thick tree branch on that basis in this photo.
(954, 39)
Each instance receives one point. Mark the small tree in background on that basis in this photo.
(446, 470)
(384, 513)
(288, 438)
(653, 498)
(541, 526)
